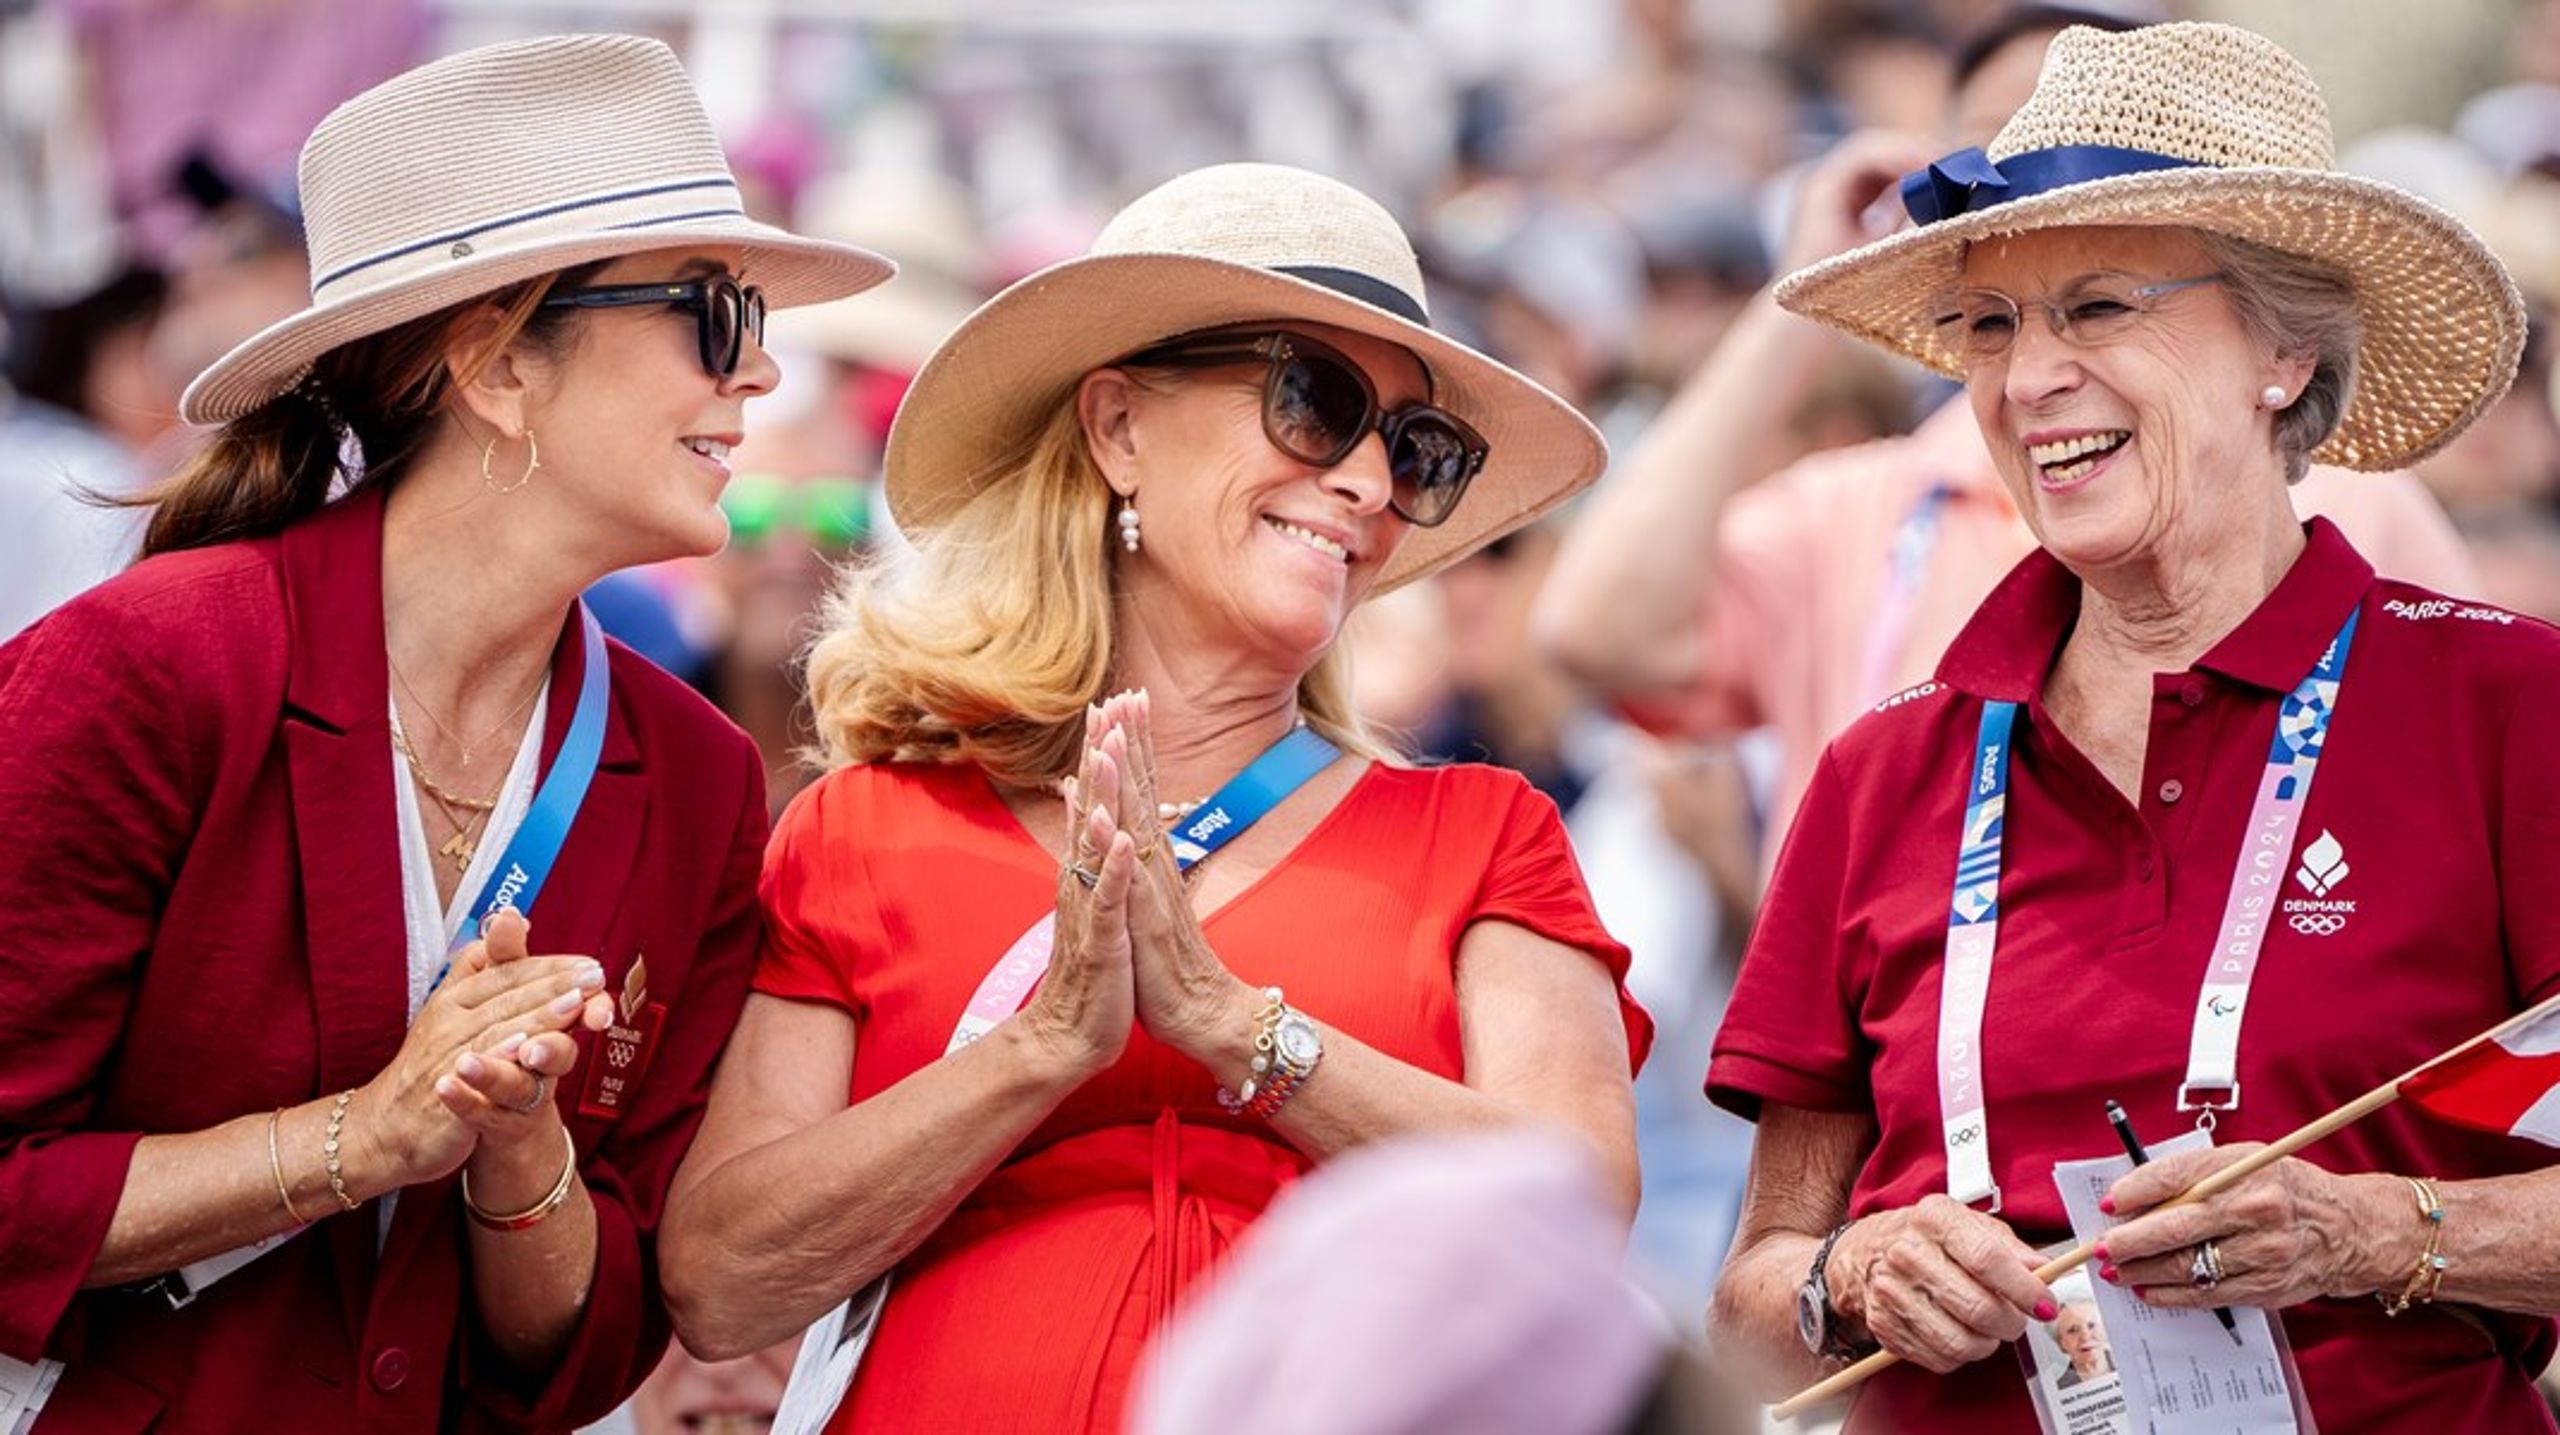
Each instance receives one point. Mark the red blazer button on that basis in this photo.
(390, 1370)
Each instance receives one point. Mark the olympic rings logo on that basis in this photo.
(2318, 924)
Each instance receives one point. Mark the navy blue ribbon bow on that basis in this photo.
(1968, 181)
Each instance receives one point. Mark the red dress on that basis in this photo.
(889, 890)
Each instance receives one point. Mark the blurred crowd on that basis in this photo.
(1599, 191)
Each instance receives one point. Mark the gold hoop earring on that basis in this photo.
(532, 461)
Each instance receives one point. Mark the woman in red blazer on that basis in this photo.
(280, 1148)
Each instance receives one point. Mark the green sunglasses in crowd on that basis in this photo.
(831, 512)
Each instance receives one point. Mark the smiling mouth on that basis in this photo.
(710, 448)
(1316, 541)
(2069, 460)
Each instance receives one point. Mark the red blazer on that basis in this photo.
(200, 917)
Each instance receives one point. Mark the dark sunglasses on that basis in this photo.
(1317, 405)
(725, 312)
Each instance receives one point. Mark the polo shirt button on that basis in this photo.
(2192, 694)
(2172, 790)
(390, 1370)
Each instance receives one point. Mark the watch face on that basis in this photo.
(1809, 1318)
(1298, 1043)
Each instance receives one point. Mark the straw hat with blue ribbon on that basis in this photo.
(499, 164)
(2214, 128)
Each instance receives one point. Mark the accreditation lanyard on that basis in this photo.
(1973, 920)
(1247, 798)
(1915, 540)
(516, 878)
(831, 1350)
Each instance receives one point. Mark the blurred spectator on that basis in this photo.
(240, 81)
(2517, 548)
(685, 1396)
(1709, 597)
(1433, 1284)
(79, 403)
(1870, 65)
(236, 267)
(2510, 457)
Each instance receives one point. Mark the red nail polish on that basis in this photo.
(2100, 1251)
(2047, 1310)
(2106, 1205)
(2108, 1274)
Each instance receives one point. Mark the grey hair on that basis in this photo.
(2301, 307)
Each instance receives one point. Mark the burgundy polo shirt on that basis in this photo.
(2440, 787)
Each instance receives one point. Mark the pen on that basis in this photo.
(2133, 1148)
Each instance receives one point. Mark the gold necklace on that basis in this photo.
(429, 713)
(464, 844)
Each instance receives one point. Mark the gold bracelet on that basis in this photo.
(536, 1213)
(2429, 1276)
(329, 1150)
(275, 1167)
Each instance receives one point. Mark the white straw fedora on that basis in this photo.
(497, 165)
(1229, 244)
(2215, 128)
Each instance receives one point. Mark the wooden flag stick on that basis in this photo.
(1843, 1381)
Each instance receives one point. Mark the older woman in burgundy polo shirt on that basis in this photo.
(2163, 305)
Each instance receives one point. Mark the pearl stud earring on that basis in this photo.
(1129, 525)
(2273, 396)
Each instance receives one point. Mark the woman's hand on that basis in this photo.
(1939, 1284)
(1186, 997)
(1084, 1008)
(423, 1116)
(2288, 1234)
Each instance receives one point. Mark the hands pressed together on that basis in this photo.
(1129, 951)
(1941, 1285)
(473, 1081)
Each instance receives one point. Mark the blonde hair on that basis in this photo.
(985, 642)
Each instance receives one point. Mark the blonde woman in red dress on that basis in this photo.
(1169, 469)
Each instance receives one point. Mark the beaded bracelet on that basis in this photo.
(329, 1150)
(1265, 1023)
(2429, 1276)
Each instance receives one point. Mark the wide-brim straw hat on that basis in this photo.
(1229, 244)
(2213, 128)
(498, 165)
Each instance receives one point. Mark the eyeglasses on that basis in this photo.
(1317, 405)
(1981, 324)
(830, 512)
(724, 312)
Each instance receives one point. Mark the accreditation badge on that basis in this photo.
(623, 1052)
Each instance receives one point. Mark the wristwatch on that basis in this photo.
(1817, 1321)
(1296, 1045)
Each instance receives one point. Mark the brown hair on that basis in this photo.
(364, 411)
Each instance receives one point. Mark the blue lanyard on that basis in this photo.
(1973, 918)
(1249, 796)
(517, 877)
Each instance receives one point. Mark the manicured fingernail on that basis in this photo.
(567, 1003)
(513, 1043)
(2100, 1251)
(591, 975)
(446, 1087)
(2106, 1205)
(2108, 1274)
(2047, 1310)
(470, 1067)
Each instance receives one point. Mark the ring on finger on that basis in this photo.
(2204, 1270)
(1089, 877)
(541, 1093)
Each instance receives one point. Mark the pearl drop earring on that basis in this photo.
(1129, 525)
(2273, 396)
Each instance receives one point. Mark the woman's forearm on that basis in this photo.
(1752, 1319)
(190, 1196)
(2501, 1241)
(530, 1285)
(773, 1237)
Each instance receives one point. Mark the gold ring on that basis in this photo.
(1090, 878)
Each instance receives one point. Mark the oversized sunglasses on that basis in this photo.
(1317, 405)
(725, 312)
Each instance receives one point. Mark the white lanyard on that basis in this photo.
(1973, 921)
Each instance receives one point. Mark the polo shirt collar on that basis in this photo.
(2012, 640)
